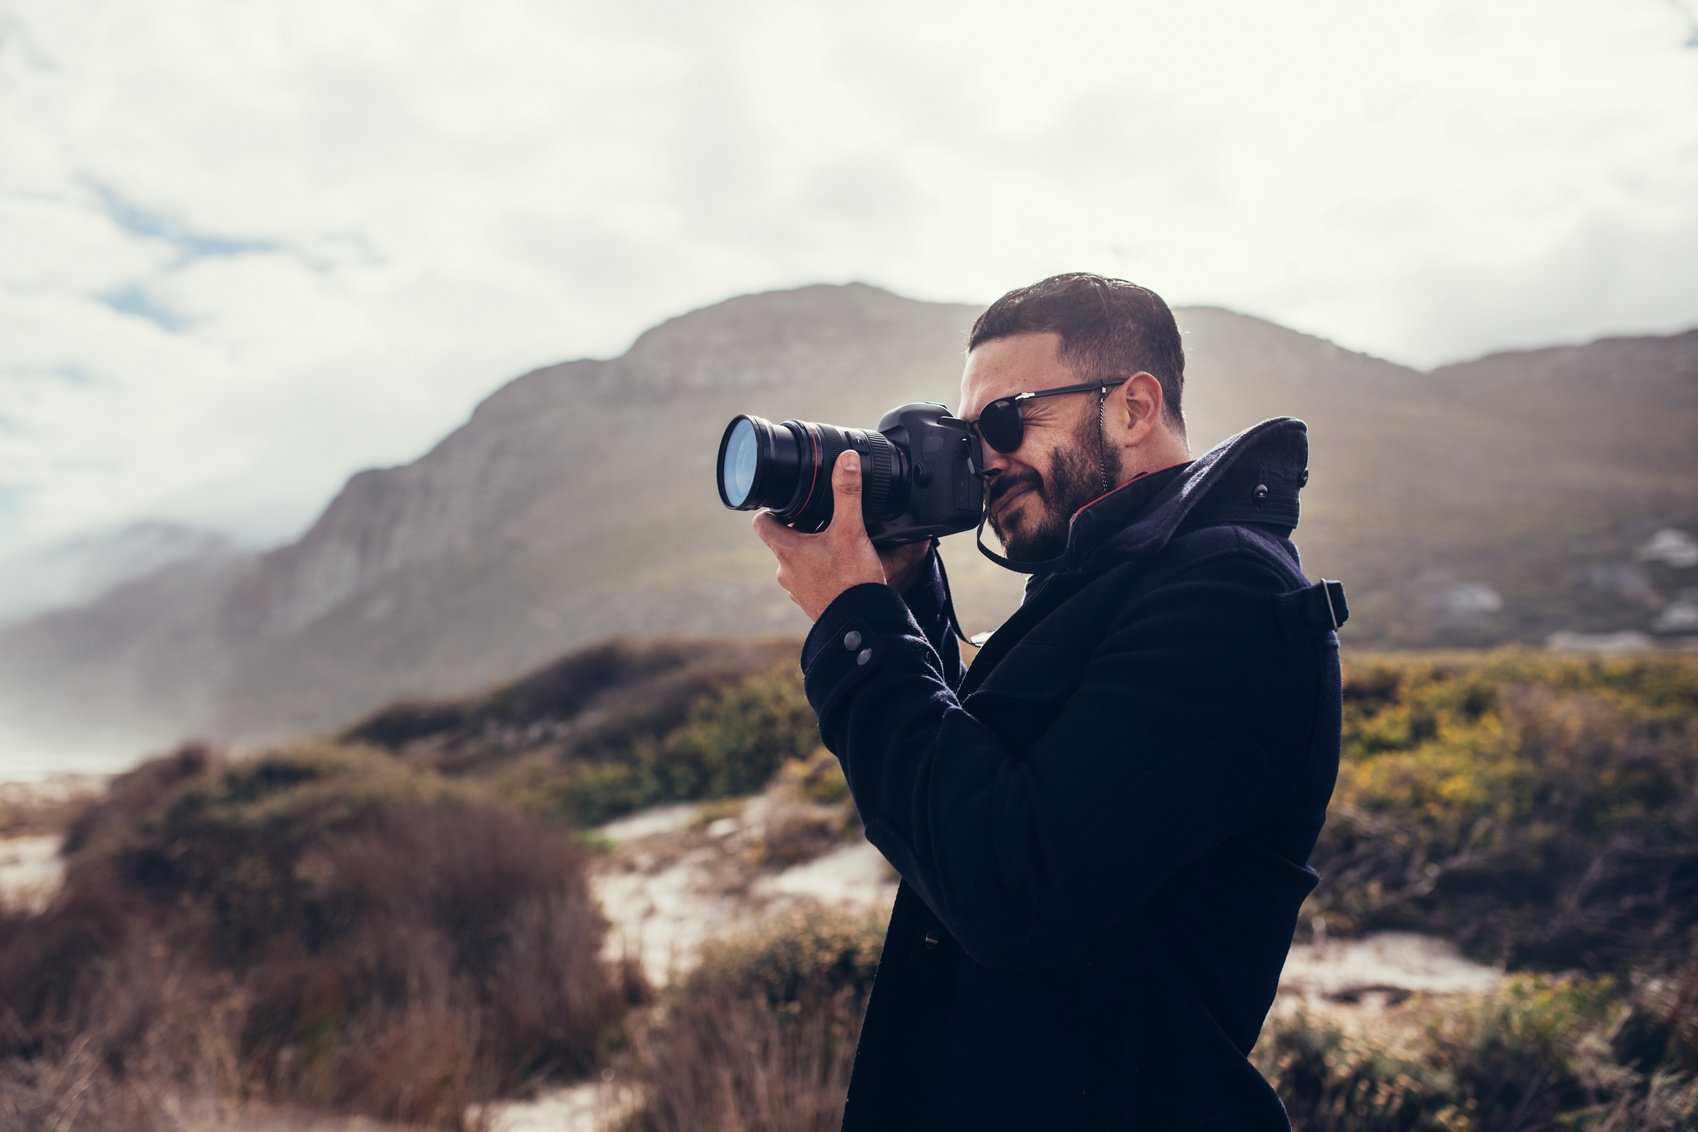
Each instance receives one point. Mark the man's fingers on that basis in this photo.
(846, 487)
(770, 530)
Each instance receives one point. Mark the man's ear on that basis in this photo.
(1139, 402)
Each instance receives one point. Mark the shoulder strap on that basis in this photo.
(1314, 609)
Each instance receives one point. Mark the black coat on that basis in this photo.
(1103, 827)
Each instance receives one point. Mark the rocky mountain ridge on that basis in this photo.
(577, 503)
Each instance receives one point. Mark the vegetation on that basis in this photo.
(1541, 811)
(762, 1036)
(321, 926)
(617, 728)
(398, 923)
(1543, 1053)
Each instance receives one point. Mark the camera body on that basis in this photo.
(919, 477)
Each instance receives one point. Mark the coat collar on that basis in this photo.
(1253, 477)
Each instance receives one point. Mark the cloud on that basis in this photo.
(251, 248)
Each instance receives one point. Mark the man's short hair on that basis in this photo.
(1108, 328)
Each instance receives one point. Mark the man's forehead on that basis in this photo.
(1003, 367)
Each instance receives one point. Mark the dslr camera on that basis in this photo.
(919, 472)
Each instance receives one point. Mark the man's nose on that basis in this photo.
(991, 462)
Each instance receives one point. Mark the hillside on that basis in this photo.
(1499, 500)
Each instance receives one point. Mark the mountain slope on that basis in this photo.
(577, 503)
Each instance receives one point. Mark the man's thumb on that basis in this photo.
(846, 486)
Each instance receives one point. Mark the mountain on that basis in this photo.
(1464, 506)
(76, 570)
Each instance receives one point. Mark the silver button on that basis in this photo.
(852, 640)
(863, 656)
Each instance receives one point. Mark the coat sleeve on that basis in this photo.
(1146, 764)
(929, 603)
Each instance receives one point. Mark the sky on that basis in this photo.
(247, 249)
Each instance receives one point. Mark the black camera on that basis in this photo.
(919, 475)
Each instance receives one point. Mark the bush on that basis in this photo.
(1543, 812)
(817, 778)
(328, 926)
(1535, 1056)
(728, 743)
(762, 1036)
(1334, 1079)
(1530, 1052)
(616, 727)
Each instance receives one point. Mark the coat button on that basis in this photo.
(863, 656)
(1260, 495)
(852, 640)
(931, 941)
(1304, 482)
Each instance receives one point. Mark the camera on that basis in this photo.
(919, 472)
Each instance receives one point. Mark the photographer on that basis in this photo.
(1103, 826)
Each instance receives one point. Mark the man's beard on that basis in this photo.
(1075, 477)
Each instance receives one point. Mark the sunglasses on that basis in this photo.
(1004, 429)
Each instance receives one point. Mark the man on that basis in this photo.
(1103, 826)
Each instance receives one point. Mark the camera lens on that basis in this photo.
(787, 468)
(737, 465)
(758, 464)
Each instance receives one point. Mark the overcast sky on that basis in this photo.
(247, 248)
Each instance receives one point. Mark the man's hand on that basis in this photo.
(815, 569)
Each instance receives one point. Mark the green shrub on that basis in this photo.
(616, 727)
(729, 742)
(734, 742)
(1537, 1055)
(1530, 1052)
(1542, 811)
(1334, 1079)
(817, 778)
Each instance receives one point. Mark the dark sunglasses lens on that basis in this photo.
(1001, 426)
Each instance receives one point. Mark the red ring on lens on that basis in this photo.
(819, 447)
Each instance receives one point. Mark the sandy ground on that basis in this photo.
(1379, 971)
(30, 870)
(595, 1106)
(675, 882)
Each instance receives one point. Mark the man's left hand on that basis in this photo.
(815, 569)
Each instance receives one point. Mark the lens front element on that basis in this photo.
(737, 466)
(758, 464)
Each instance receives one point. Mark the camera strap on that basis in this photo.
(1041, 567)
(949, 602)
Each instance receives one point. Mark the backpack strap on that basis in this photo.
(1314, 609)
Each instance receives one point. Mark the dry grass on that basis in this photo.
(1542, 1054)
(321, 928)
(762, 1037)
